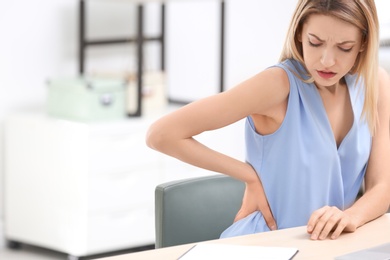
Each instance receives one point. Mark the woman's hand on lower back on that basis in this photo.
(255, 200)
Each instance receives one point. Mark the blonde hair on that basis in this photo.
(363, 15)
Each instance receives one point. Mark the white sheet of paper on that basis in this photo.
(227, 251)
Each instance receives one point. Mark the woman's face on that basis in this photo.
(330, 47)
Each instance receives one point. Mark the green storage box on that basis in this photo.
(86, 99)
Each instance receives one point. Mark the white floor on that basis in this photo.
(29, 252)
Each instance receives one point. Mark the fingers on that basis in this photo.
(327, 221)
(314, 226)
(339, 229)
(255, 200)
(267, 213)
(269, 218)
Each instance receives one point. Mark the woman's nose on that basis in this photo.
(328, 58)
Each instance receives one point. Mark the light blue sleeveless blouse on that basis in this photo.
(300, 165)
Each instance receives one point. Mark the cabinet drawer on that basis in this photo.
(121, 229)
(122, 189)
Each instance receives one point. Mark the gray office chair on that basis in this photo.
(196, 209)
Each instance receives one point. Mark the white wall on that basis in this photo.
(253, 41)
(255, 36)
(193, 49)
(383, 7)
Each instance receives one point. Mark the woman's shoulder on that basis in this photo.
(277, 77)
(270, 89)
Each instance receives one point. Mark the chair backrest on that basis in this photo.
(196, 209)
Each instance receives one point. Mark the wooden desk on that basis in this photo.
(372, 234)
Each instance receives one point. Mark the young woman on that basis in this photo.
(317, 127)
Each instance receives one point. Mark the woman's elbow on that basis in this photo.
(153, 138)
(157, 137)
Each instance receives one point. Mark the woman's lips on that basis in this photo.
(326, 74)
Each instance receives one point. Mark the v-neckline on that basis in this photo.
(328, 125)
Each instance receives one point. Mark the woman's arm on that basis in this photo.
(174, 133)
(376, 198)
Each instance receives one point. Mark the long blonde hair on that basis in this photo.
(363, 15)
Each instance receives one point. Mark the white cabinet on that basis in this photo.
(86, 189)
(79, 188)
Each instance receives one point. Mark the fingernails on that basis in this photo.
(309, 228)
(314, 236)
(273, 228)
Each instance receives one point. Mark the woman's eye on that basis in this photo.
(314, 44)
(346, 49)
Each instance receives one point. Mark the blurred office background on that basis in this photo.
(40, 42)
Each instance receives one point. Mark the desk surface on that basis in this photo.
(372, 234)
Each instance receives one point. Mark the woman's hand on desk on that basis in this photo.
(329, 221)
(255, 200)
